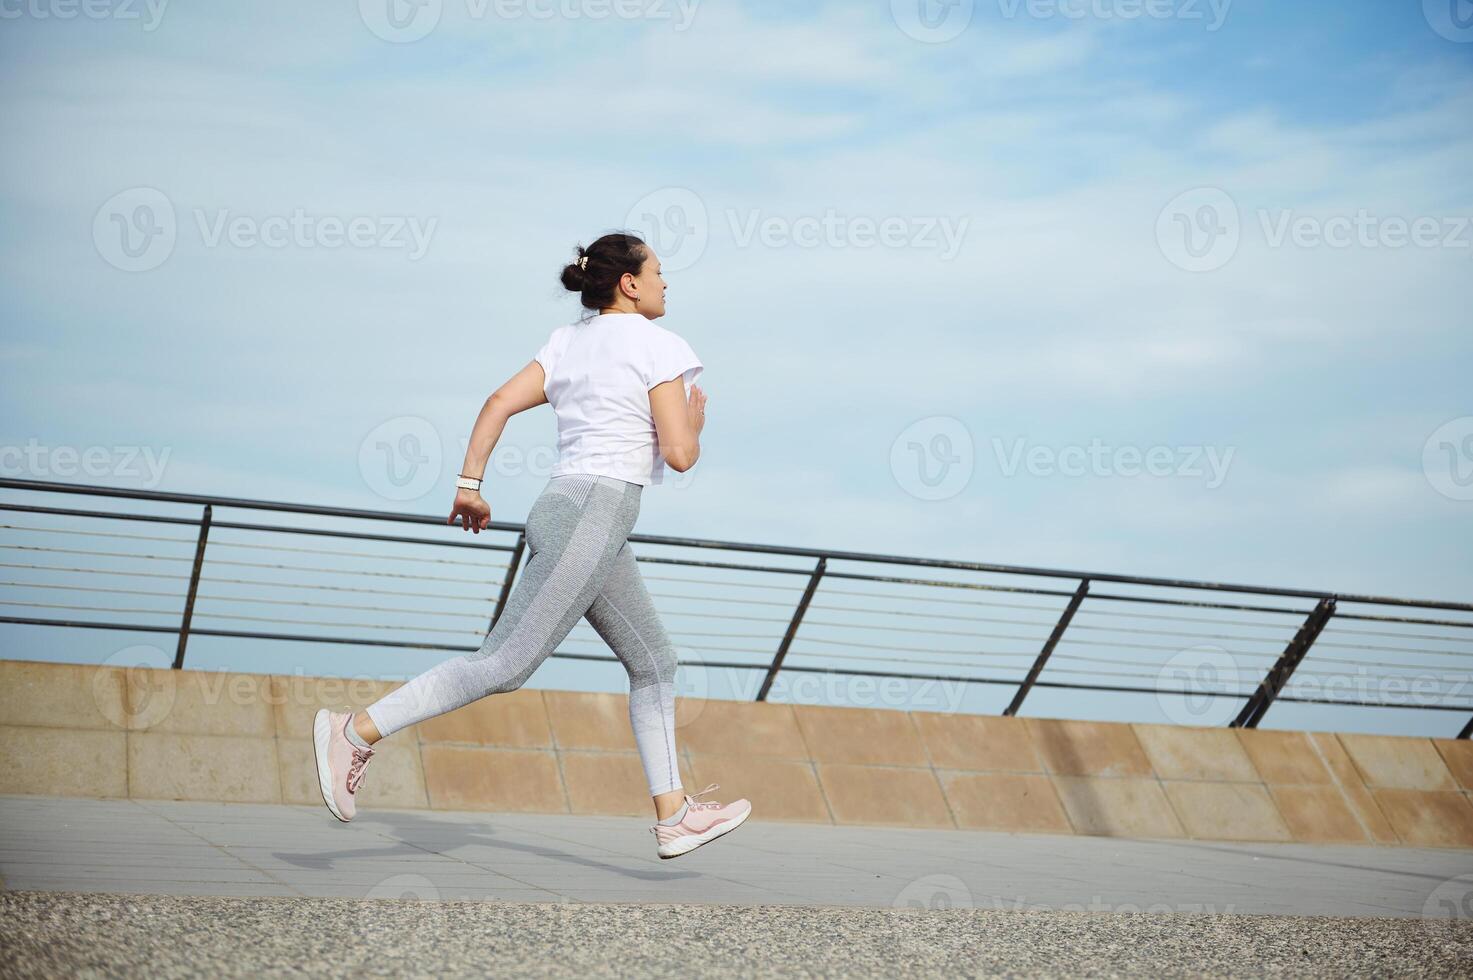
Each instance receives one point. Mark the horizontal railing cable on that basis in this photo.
(767, 609)
(248, 545)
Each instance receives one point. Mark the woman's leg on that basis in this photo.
(574, 532)
(624, 615)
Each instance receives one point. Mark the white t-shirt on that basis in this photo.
(599, 373)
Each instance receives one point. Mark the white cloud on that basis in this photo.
(522, 138)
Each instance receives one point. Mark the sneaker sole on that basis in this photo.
(321, 735)
(690, 843)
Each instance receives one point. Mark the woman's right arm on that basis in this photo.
(521, 392)
(678, 422)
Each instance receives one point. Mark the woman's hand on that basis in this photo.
(695, 409)
(472, 509)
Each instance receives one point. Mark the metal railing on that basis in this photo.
(1098, 633)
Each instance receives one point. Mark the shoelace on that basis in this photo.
(355, 768)
(692, 803)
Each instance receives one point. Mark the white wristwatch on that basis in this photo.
(468, 483)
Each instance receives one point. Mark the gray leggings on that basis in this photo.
(580, 565)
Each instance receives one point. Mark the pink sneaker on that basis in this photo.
(702, 823)
(340, 763)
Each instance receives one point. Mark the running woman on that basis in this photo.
(627, 406)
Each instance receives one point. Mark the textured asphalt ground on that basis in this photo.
(163, 888)
(57, 934)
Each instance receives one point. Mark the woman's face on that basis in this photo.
(649, 286)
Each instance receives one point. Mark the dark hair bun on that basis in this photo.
(595, 274)
(574, 277)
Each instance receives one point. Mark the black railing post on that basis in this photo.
(1048, 649)
(782, 650)
(1271, 689)
(511, 573)
(199, 560)
(1278, 675)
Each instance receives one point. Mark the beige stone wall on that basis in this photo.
(81, 730)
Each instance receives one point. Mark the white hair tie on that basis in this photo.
(583, 263)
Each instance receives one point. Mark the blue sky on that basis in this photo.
(1062, 152)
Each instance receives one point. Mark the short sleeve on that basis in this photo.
(547, 354)
(670, 358)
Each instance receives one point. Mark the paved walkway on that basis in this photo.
(182, 848)
(172, 889)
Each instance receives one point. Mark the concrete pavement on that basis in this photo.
(166, 887)
(187, 848)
